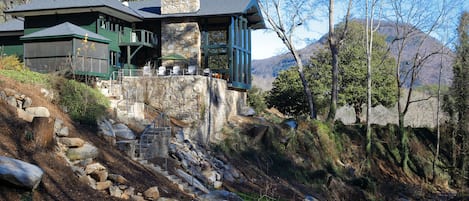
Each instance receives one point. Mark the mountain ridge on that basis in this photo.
(265, 70)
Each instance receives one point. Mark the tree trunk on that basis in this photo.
(335, 63)
(304, 82)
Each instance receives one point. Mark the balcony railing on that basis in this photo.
(143, 36)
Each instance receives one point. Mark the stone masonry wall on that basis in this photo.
(179, 6)
(204, 103)
(181, 38)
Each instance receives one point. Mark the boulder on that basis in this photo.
(27, 102)
(86, 179)
(63, 132)
(117, 178)
(105, 128)
(58, 124)
(127, 146)
(99, 175)
(3, 96)
(38, 111)
(190, 179)
(152, 193)
(20, 173)
(24, 115)
(217, 184)
(12, 101)
(103, 185)
(129, 191)
(10, 92)
(122, 131)
(220, 195)
(72, 142)
(115, 191)
(137, 198)
(248, 112)
(94, 167)
(84, 152)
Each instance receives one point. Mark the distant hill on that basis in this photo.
(265, 70)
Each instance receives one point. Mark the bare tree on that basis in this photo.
(370, 9)
(284, 18)
(414, 22)
(335, 41)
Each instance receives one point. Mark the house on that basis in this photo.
(99, 37)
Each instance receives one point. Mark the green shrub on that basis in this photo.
(10, 63)
(83, 103)
(256, 99)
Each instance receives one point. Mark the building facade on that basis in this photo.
(99, 37)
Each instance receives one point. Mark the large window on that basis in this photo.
(110, 24)
(227, 52)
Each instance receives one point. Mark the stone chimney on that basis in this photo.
(179, 6)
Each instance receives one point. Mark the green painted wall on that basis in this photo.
(11, 45)
(84, 20)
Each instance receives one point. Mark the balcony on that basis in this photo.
(142, 37)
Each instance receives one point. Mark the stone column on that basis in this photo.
(181, 38)
(179, 6)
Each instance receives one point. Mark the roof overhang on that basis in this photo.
(102, 9)
(12, 33)
(64, 36)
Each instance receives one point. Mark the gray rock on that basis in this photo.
(220, 195)
(310, 198)
(12, 101)
(166, 199)
(72, 142)
(217, 184)
(191, 180)
(38, 111)
(122, 131)
(248, 112)
(117, 179)
(20, 173)
(152, 193)
(94, 167)
(127, 146)
(103, 185)
(84, 152)
(105, 127)
(100, 175)
(79, 171)
(58, 124)
(3, 96)
(19, 103)
(24, 115)
(10, 92)
(27, 102)
(137, 198)
(115, 191)
(63, 132)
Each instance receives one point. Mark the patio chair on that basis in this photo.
(192, 70)
(207, 71)
(161, 71)
(176, 70)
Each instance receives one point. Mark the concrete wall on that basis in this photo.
(203, 103)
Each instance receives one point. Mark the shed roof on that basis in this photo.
(12, 25)
(65, 29)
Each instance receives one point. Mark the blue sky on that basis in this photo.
(266, 44)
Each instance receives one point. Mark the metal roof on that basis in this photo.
(151, 9)
(139, 10)
(12, 25)
(65, 29)
(41, 7)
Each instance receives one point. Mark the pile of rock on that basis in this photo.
(201, 165)
(22, 103)
(81, 155)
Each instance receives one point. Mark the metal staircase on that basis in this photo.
(154, 141)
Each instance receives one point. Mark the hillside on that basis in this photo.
(265, 70)
(59, 181)
(262, 157)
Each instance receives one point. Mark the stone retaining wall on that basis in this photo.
(204, 104)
